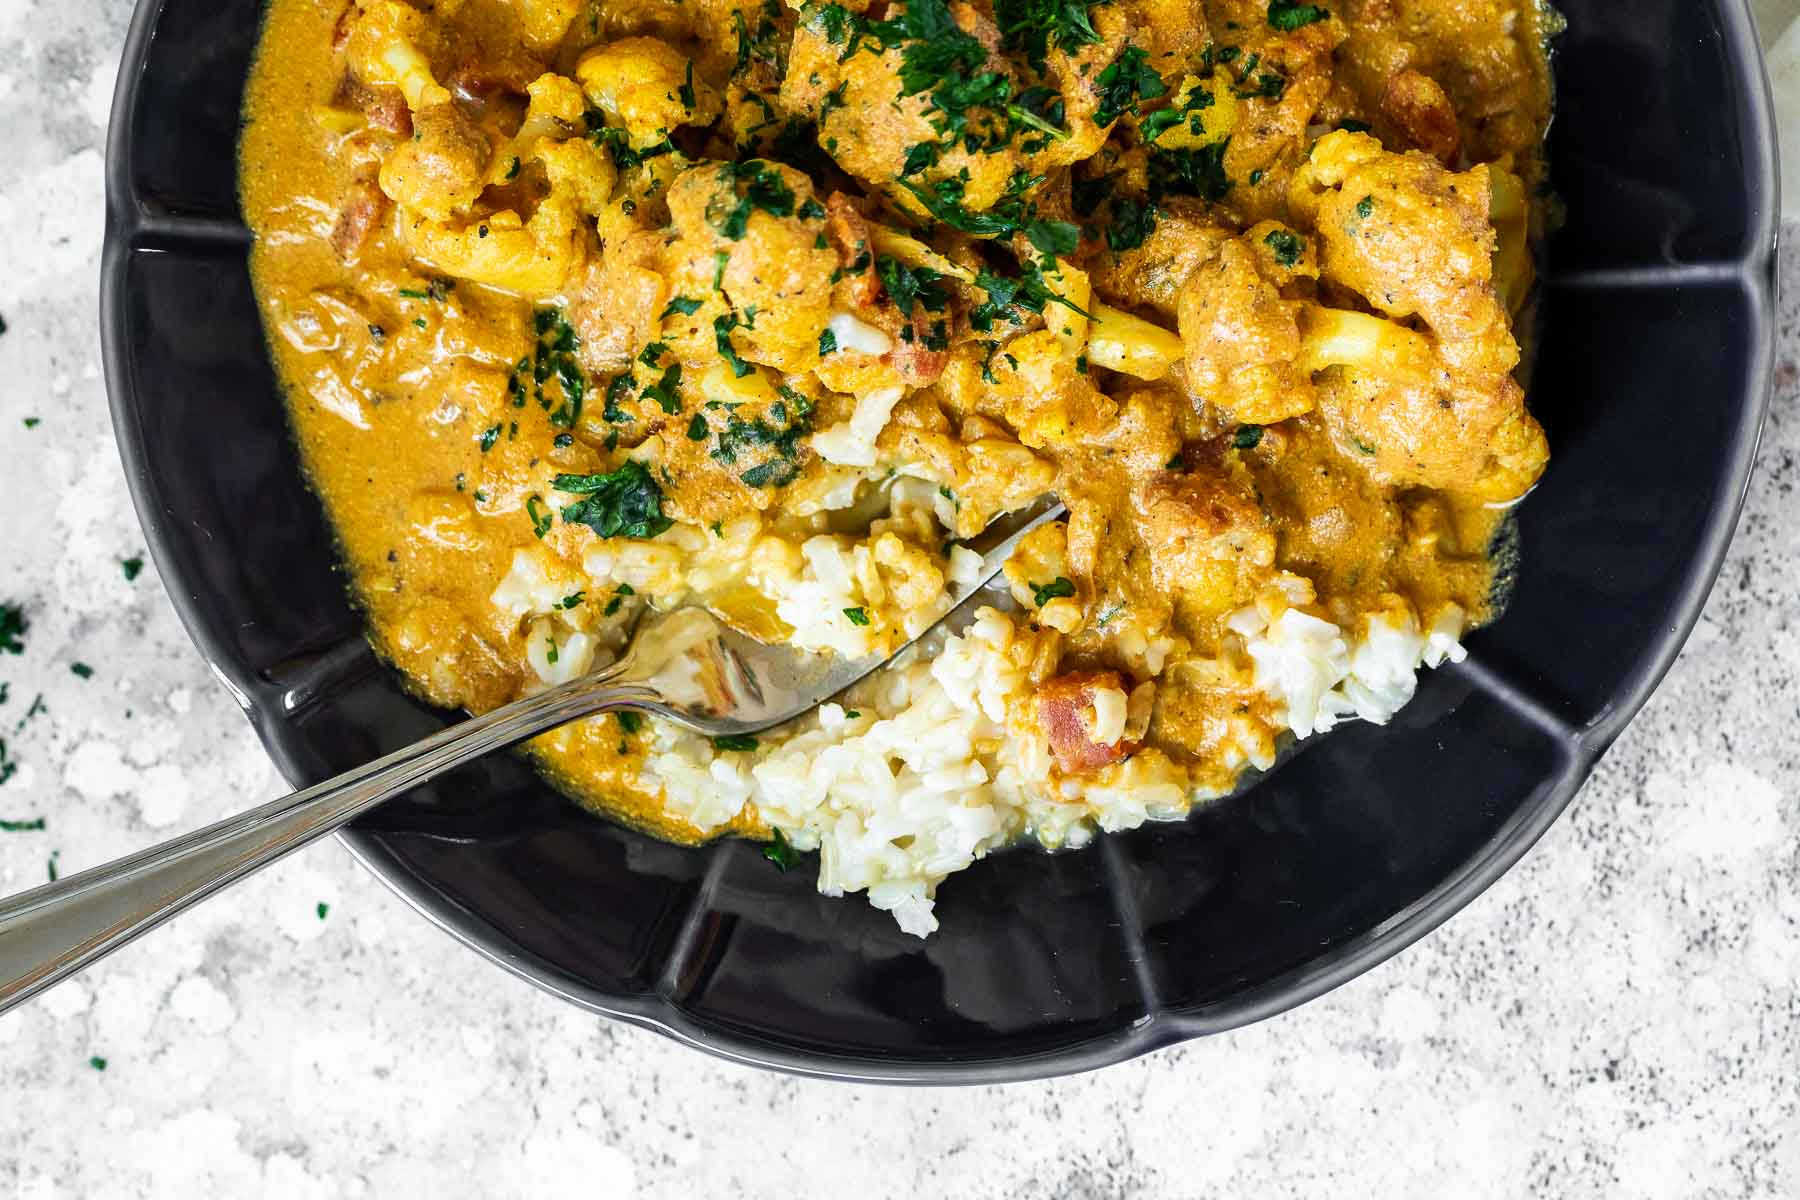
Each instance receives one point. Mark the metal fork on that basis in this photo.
(686, 665)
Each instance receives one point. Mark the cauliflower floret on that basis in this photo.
(444, 166)
(751, 234)
(531, 257)
(1414, 239)
(647, 87)
(620, 303)
(1243, 339)
(869, 125)
(544, 22)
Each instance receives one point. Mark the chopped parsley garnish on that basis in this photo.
(1247, 437)
(858, 616)
(781, 852)
(571, 600)
(132, 566)
(1288, 16)
(787, 422)
(13, 624)
(1362, 447)
(741, 742)
(907, 286)
(551, 361)
(1128, 79)
(698, 430)
(762, 187)
(1189, 112)
(618, 144)
(1365, 207)
(666, 391)
(687, 306)
(630, 722)
(625, 503)
(1043, 593)
(1133, 221)
(723, 324)
(540, 514)
(686, 92)
(1199, 172)
(1287, 246)
(1354, 126)
(488, 437)
(827, 341)
(618, 599)
(1035, 26)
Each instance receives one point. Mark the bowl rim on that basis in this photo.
(1754, 268)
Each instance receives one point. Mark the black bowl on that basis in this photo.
(1652, 382)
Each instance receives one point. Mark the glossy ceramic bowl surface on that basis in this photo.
(1651, 380)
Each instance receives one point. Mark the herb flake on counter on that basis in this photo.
(98, 1063)
(1043, 593)
(322, 908)
(13, 626)
(624, 503)
(30, 825)
(33, 422)
(81, 670)
(131, 567)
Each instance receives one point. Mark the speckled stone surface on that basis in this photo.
(1620, 1015)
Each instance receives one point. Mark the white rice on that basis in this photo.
(938, 760)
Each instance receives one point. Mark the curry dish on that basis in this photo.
(583, 306)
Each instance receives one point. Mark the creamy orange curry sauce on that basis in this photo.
(661, 289)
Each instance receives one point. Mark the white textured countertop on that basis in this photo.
(1620, 1014)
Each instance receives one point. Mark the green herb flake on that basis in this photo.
(781, 852)
(1126, 80)
(81, 670)
(488, 437)
(630, 722)
(1043, 593)
(13, 624)
(858, 616)
(1365, 208)
(741, 742)
(1247, 437)
(828, 342)
(33, 422)
(697, 429)
(686, 92)
(98, 1063)
(322, 909)
(687, 306)
(132, 567)
(1286, 245)
(31, 825)
(539, 512)
(1287, 16)
(624, 503)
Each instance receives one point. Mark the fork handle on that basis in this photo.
(53, 931)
